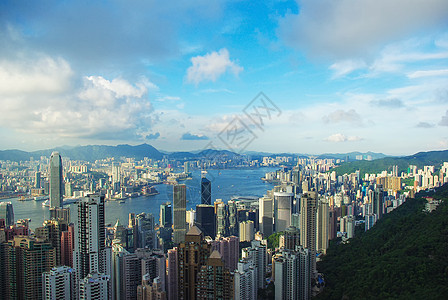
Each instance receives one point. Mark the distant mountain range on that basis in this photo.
(431, 158)
(95, 152)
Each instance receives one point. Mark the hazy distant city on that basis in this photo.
(223, 149)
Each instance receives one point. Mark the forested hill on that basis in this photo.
(404, 256)
(376, 166)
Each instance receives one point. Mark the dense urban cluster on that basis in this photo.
(222, 249)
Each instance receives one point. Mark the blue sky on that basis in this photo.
(364, 75)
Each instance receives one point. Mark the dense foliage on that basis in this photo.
(404, 256)
(420, 159)
(273, 240)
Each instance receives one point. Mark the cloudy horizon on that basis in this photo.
(343, 76)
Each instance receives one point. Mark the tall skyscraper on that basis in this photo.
(166, 215)
(59, 283)
(222, 219)
(51, 232)
(323, 226)
(308, 225)
(266, 216)
(292, 279)
(229, 248)
(94, 287)
(214, 281)
(245, 279)
(192, 255)
(56, 183)
(282, 210)
(90, 254)
(37, 178)
(172, 273)
(206, 191)
(257, 255)
(180, 211)
(27, 259)
(233, 218)
(205, 219)
(7, 213)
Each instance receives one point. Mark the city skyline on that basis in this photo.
(82, 74)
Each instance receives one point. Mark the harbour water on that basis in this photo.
(226, 183)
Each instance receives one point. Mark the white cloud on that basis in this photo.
(353, 28)
(349, 116)
(211, 66)
(428, 73)
(345, 67)
(168, 98)
(339, 137)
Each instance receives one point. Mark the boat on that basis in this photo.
(121, 201)
(66, 201)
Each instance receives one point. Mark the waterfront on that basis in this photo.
(225, 184)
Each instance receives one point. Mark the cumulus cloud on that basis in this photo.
(339, 138)
(444, 121)
(350, 28)
(193, 137)
(49, 99)
(390, 103)
(424, 125)
(211, 66)
(350, 116)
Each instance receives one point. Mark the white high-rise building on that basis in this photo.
(247, 233)
(245, 281)
(90, 254)
(58, 283)
(94, 287)
(282, 210)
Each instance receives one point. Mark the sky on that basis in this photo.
(310, 76)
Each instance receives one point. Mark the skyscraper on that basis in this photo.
(214, 280)
(7, 213)
(172, 273)
(205, 219)
(56, 183)
(222, 219)
(94, 287)
(282, 210)
(90, 254)
(58, 283)
(266, 216)
(192, 255)
(323, 226)
(180, 211)
(233, 218)
(166, 215)
(206, 191)
(308, 225)
(245, 279)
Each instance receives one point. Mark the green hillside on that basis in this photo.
(376, 166)
(402, 257)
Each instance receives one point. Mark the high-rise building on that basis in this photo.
(150, 289)
(308, 225)
(51, 232)
(222, 219)
(290, 239)
(90, 254)
(58, 283)
(56, 182)
(292, 278)
(247, 232)
(144, 231)
(26, 259)
(94, 287)
(245, 278)
(67, 246)
(323, 226)
(205, 219)
(180, 208)
(214, 280)
(233, 218)
(206, 191)
(7, 213)
(166, 215)
(229, 248)
(266, 216)
(37, 179)
(192, 255)
(172, 274)
(282, 210)
(257, 255)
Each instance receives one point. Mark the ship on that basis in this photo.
(66, 201)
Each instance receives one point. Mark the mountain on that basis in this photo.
(376, 166)
(351, 155)
(402, 257)
(87, 153)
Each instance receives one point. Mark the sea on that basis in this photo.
(226, 184)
